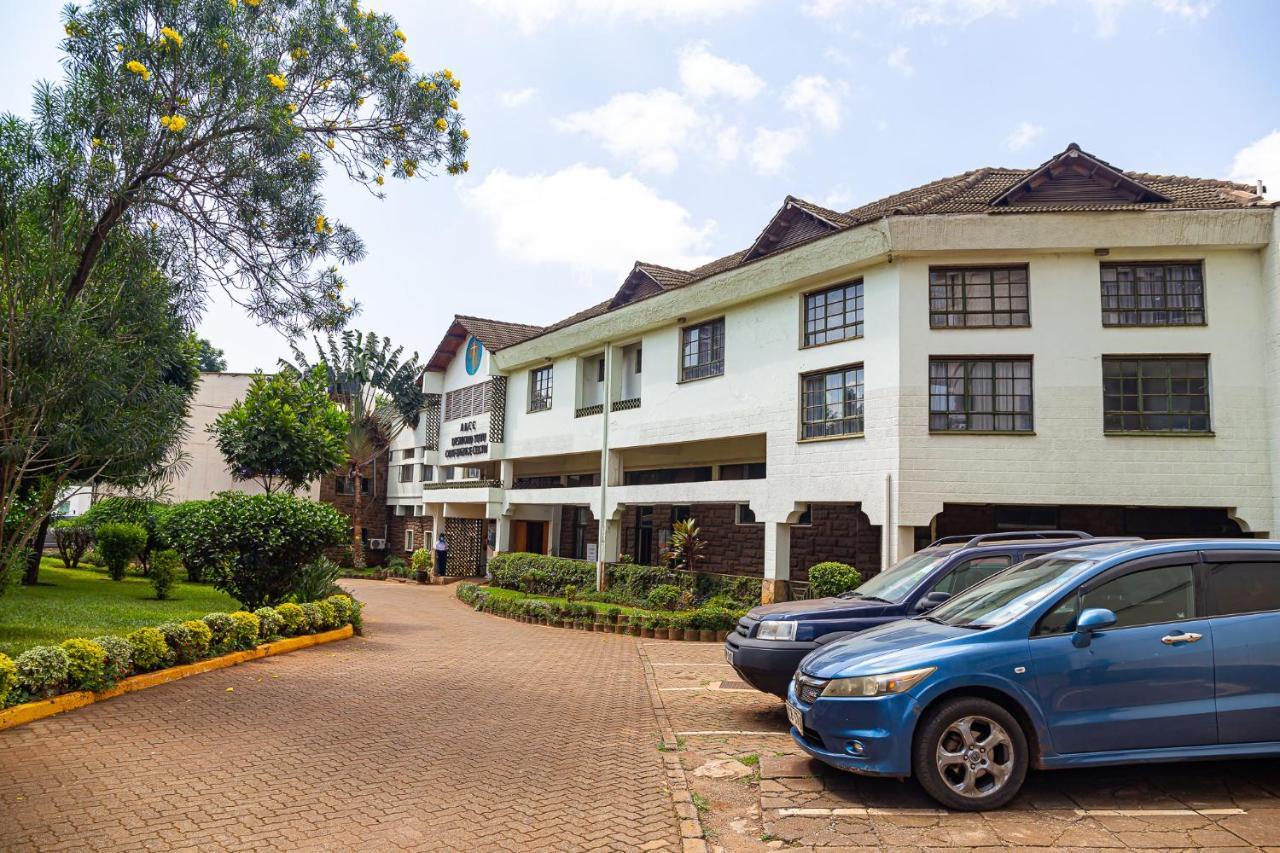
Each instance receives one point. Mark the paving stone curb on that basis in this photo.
(29, 712)
(692, 835)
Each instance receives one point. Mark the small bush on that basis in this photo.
(663, 597)
(150, 651)
(86, 664)
(317, 579)
(201, 637)
(342, 606)
(831, 578)
(8, 679)
(295, 620)
(547, 575)
(570, 592)
(73, 538)
(182, 644)
(420, 560)
(119, 662)
(244, 630)
(118, 543)
(315, 617)
(42, 671)
(164, 571)
(713, 618)
(222, 625)
(722, 600)
(270, 624)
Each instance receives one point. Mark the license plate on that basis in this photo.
(795, 717)
(728, 655)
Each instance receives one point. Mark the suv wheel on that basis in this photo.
(970, 754)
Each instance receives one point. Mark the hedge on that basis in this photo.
(710, 617)
(98, 664)
(832, 578)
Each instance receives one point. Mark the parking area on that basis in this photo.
(757, 791)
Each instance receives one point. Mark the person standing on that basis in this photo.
(442, 554)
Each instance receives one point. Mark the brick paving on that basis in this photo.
(442, 729)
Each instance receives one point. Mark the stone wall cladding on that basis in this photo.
(592, 533)
(374, 512)
(840, 532)
(398, 524)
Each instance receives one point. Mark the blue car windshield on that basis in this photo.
(896, 582)
(1006, 596)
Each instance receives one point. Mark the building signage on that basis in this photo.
(471, 442)
(475, 352)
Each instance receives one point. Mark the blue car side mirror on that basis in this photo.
(931, 601)
(1093, 619)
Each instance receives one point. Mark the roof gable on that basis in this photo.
(795, 222)
(494, 334)
(1077, 177)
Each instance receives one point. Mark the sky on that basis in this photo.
(670, 131)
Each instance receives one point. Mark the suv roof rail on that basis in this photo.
(972, 541)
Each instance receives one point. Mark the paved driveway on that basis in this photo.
(441, 729)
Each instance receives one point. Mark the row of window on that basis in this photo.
(1141, 394)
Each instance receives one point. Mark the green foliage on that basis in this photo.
(222, 628)
(317, 579)
(420, 560)
(118, 543)
(164, 570)
(188, 528)
(542, 574)
(201, 637)
(119, 662)
(664, 597)
(8, 679)
(285, 433)
(294, 618)
(343, 608)
(270, 624)
(72, 537)
(244, 630)
(318, 616)
(42, 672)
(570, 593)
(831, 578)
(686, 546)
(86, 664)
(123, 509)
(711, 618)
(183, 646)
(209, 359)
(150, 650)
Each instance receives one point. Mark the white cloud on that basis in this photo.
(532, 15)
(771, 150)
(816, 98)
(587, 219)
(1260, 161)
(899, 62)
(705, 75)
(728, 143)
(1023, 135)
(646, 128)
(517, 97)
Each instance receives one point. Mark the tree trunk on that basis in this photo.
(357, 544)
(31, 576)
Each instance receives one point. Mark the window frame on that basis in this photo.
(1161, 561)
(407, 471)
(1164, 265)
(682, 369)
(993, 359)
(1168, 395)
(738, 511)
(950, 573)
(1213, 560)
(409, 539)
(965, 311)
(861, 384)
(860, 324)
(534, 397)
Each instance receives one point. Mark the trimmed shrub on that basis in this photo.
(86, 664)
(73, 538)
(315, 617)
(221, 625)
(544, 575)
(121, 509)
(342, 606)
(712, 618)
(295, 620)
(244, 630)
(188, 528)
(182, 644)
(318, 579)
(119, 662)
(118, 543)
(42, 671)
(831, 578)
(201, 636)
(164, 571)
(663, 597)
(270, 625)
(150, 651)
(8, 679)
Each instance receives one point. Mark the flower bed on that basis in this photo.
(98, 665)
(709, 623)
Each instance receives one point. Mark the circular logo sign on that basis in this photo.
(475, 351)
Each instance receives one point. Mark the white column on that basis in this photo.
(777, 562)
(602, 551)
(503, 540)
(507, 473)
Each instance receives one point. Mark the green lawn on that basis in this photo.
(86, 603)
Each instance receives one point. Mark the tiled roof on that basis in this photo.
(496, 334)
(972, 192)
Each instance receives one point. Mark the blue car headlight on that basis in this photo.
(776, 630)
(877, 685)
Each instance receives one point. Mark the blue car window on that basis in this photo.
(895, 582)
(971, 572)
(1148, 597)
(1244, 588)
(1009, 594)
(1061, 619)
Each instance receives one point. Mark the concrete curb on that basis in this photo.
(29, 712)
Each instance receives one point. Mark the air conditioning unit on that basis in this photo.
(377, 544)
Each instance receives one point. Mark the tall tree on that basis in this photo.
(381, 394)
(286, 433)
(209, 358)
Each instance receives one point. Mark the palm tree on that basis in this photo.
(380, 393)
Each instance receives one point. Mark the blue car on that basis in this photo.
(771, 640)
(1104, 654)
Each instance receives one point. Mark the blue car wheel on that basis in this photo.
(970, 754)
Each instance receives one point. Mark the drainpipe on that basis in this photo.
(890, 537)
(603, 521)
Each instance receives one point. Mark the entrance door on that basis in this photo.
(644, 535)
(535, 537)
(1145, 683)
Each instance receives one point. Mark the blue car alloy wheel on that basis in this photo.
(970, 754)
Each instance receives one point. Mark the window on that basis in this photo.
(345, 486)
(427, 474)
(1244, 588)
(600, 370)
(666, 476)
(834, 314)
(745, 515)
(639, 359)
(1026, 518)
(1155, 394)
(978, 297)
(581, 517)
(1160, 294)
(408, 540)
(743, 471)
(702, 351)
(980, 395)
(467, 402)
(1147, 597)
(578, 480)
(831, 403)
(406, 473)
(409, 453)
(681, 512)
(540, 389)
(805, 519)
(970, 572)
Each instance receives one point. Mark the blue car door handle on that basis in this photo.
(1180, 638)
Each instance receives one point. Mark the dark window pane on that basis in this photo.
(832, 403)
(1155, 394)
(1147, 597)
(978, 297)
(980, 395)
(1152, 289)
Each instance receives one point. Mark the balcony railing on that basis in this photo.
(624, 405)
(588, 411)
(464, 484)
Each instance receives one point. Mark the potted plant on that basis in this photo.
(420, 560)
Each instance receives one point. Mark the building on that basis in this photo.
(1068, 346)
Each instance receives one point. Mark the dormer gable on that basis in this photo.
(1077, 177)
(795, 222)
(646, 280)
